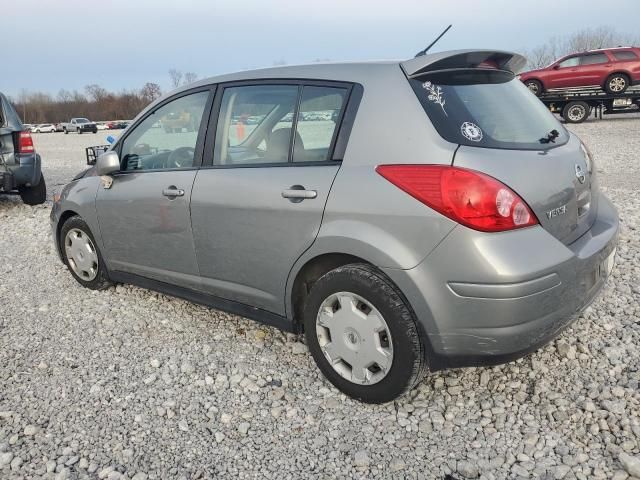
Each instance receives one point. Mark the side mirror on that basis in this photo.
(556, 67)
(108, 163)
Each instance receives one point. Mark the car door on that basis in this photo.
(564, 74)
(144, 214)
(594, 68)
(259, 204)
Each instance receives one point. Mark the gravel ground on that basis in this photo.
(127, 383)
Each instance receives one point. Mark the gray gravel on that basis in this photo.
(127, 383)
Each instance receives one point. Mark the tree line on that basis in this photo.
(95, 102)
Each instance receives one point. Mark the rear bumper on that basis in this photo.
(26, 173)
(485, 299)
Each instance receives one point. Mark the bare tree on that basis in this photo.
(176, 77)
(96, 92)
(190, 77)
(150, 91)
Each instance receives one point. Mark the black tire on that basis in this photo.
(617, 84)
(34, 195)
(409, 361)
(535, 86)
(66, 132)
(79, 132)
(101, 281)
(576, 111)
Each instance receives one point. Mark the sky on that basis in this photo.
(121, 44)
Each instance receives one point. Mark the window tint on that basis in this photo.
(593, 59)
(486, 109)
(625, 55)
(166, 138)
(320, 110)
(255, 124)
(570, 62)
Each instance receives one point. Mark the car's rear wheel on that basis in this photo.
(66, 132)
(535, 86)
(576, 112)
(35, 194)
(617, 83)
(363, 335)
(81, 254)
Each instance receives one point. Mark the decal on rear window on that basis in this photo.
(471, 131)
(435, 94)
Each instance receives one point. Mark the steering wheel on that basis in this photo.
(181, 157)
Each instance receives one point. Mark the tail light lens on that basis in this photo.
(25, 142)
(468, 197)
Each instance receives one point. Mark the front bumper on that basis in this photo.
(485, 299)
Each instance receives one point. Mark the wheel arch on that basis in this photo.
(64, 216)
(617, 72)
(316, 266)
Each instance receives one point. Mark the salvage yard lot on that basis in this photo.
(126, 381)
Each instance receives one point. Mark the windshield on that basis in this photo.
(82, 120)
(487, 108)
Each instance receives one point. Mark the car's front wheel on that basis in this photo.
(81, 254)
(617, 83)
(535, 86)
(363, 335)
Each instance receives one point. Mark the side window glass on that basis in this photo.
(625, 55)
(320, 111)
(166, 138)
(255, 124)
(570, 62)
(594, 59)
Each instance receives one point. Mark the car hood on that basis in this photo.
(528, 73)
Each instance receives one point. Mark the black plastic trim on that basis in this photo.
(236, 308)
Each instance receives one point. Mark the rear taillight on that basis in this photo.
(25, 142)
(468, 197)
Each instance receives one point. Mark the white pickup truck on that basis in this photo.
(80, 125)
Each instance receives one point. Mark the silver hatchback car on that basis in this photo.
(407, 216)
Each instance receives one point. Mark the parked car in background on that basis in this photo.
(59, 127)
(613, 69)
(80, 125)
(44, 128)
(101, 125)
(20, 165)
(470, 233)
(117, 125)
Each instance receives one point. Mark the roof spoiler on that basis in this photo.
(456, 59)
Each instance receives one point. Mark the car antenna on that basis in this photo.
(423, 52)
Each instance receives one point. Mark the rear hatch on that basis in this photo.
(504, 131)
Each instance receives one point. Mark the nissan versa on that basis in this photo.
(407, 216)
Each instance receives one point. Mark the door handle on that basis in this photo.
(173, 192)
(299, 193)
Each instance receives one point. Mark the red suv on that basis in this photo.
(613, 69)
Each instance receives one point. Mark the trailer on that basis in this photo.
(576, 105)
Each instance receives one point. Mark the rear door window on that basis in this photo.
(255, 124)
(486, 108)
(593, 58)
(319, 115)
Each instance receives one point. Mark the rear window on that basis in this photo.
(485, 108)
(625, 55)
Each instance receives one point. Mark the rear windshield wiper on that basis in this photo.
(551, 137)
